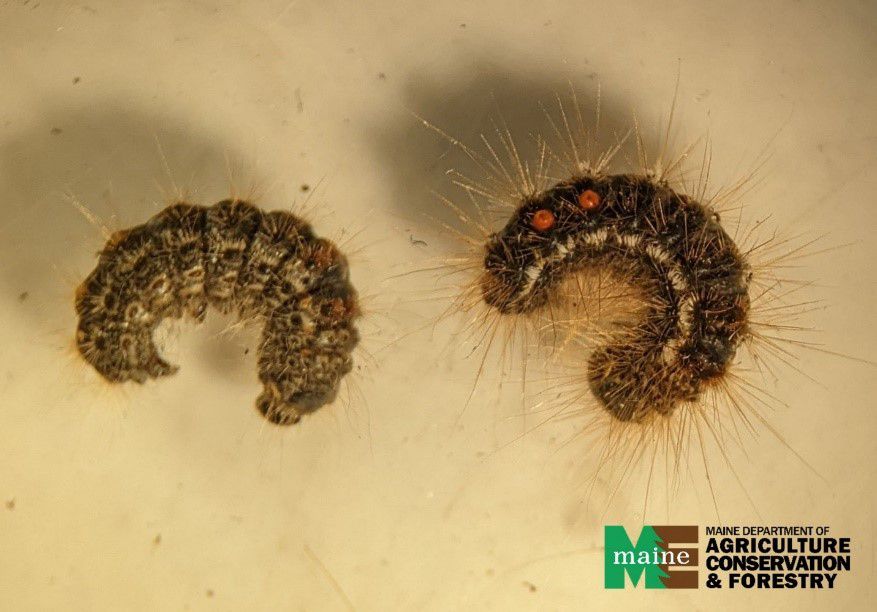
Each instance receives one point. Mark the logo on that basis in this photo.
(652, 556)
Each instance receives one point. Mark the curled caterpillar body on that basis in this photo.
(673, 250)
(264, 266)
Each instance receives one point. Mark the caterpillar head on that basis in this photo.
(305, 354)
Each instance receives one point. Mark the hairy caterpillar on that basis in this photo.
(670, 246)
(662, 314)
(264, 266)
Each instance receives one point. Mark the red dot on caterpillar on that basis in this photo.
(589, 199)
(543, 220)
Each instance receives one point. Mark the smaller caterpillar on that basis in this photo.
(264, 266)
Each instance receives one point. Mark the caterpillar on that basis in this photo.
(267, 267)
(663, 315)
(670, 246)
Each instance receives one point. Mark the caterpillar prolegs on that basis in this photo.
(269, 267)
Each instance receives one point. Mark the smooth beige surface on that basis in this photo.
(177, 496)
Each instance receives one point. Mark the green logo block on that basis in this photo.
(625, 557)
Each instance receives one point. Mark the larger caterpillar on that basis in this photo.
(654, 302)
(669, 245)
(265, 266)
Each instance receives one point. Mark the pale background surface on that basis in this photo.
(176, 496)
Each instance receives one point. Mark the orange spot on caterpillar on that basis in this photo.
(543, 220)
(589, 199)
